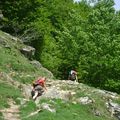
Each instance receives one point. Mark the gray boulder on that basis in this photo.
(48, 107)
(36, 63)
(114, 108)
(28, 51)
(84, 100)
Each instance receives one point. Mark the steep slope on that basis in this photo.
(63, 99)
(16, 70)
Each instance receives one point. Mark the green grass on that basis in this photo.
(11, 60)
(27, 109)
(7, 92)
(64, 111)
(14, 61)
(1, 116)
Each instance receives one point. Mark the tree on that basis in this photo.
(18, 14)
(104, 55)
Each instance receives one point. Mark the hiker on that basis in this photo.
(39, 86)
(73, 76)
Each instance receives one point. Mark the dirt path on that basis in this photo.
(11, 113)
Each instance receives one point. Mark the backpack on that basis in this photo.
(35, 83)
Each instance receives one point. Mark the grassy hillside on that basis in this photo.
(12, 61)
(16, 66)
(15, 69)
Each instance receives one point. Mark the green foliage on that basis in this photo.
(103, 55)
(19, 14)
(68, 35)
(113, 85)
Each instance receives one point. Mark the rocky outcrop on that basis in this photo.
(114, 108)
(48, 107)
(28, 51)
(36, 63)
(85, 100)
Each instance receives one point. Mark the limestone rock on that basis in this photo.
(28, 51)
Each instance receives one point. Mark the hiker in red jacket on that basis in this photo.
(39, 86)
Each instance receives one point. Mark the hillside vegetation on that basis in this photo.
(69, 35)
(52, 37)
(63, 99)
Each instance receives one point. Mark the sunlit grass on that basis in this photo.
(8, 92)
(64, 111)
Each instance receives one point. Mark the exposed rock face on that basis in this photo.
(49, 73)
(36, 63)
(28, 51)
(114, 108)
(48, 107)
(108, 94)
(85, 100)
(2, 42)
(58, 94)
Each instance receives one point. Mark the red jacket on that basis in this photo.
(40, 82)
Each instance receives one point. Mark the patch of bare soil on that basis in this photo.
(11, 113)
